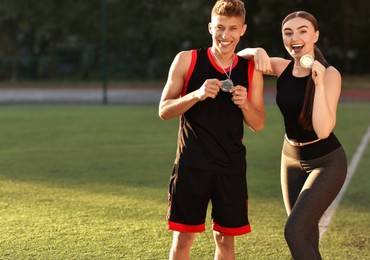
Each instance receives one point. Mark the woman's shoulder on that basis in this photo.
(332, 69)
(332, 72)
(278, 65)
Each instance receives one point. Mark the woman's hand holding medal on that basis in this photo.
(318, 73)
(318, 70)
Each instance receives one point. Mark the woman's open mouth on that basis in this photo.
(297, 48)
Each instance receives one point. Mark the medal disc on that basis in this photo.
(306, 61)
(227, 84)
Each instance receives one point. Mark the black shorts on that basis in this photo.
(191, 190)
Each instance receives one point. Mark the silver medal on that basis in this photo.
(227, 85)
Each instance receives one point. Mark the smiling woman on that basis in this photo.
(299, 37)
(313, 162)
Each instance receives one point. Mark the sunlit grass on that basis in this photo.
(90, 182)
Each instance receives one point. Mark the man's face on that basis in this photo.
(226, 32)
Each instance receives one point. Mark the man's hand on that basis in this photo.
(239, 95)
(209, 89)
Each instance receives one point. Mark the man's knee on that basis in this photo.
(183, 240)
(223, 241)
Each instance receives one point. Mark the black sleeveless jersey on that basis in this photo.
(211, 132)
(290, 97)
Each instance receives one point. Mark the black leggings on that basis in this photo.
(309, 187)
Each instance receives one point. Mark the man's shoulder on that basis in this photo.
(191, 55)
(184, 57)
(243, 59)
(198, 51)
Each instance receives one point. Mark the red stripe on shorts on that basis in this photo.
(232, 231)
(185, 228)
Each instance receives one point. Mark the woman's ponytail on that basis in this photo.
(305, 118)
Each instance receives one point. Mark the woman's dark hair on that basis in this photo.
(305, 118)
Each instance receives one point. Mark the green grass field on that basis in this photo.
(90, 182)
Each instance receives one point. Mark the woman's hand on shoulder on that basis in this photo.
(273, 66)
(262, 61)
(259, 56)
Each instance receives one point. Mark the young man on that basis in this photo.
(213, 91)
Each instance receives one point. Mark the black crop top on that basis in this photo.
(290, 96)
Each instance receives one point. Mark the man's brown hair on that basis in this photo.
(229, 8)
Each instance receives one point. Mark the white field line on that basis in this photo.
(326, 218)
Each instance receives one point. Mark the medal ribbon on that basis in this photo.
(219, 64)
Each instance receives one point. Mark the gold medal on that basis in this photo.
(306, 61)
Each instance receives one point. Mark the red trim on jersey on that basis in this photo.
(185, 228)
(190, 71)
(215, 64)
(250, 78)
(232, 231)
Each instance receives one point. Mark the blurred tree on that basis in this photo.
(33, 29)
(40, 39)
(343, 29)
(159, 30)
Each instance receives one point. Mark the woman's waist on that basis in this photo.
(297, 143)
(311, 149)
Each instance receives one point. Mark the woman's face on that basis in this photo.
(299, 37)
